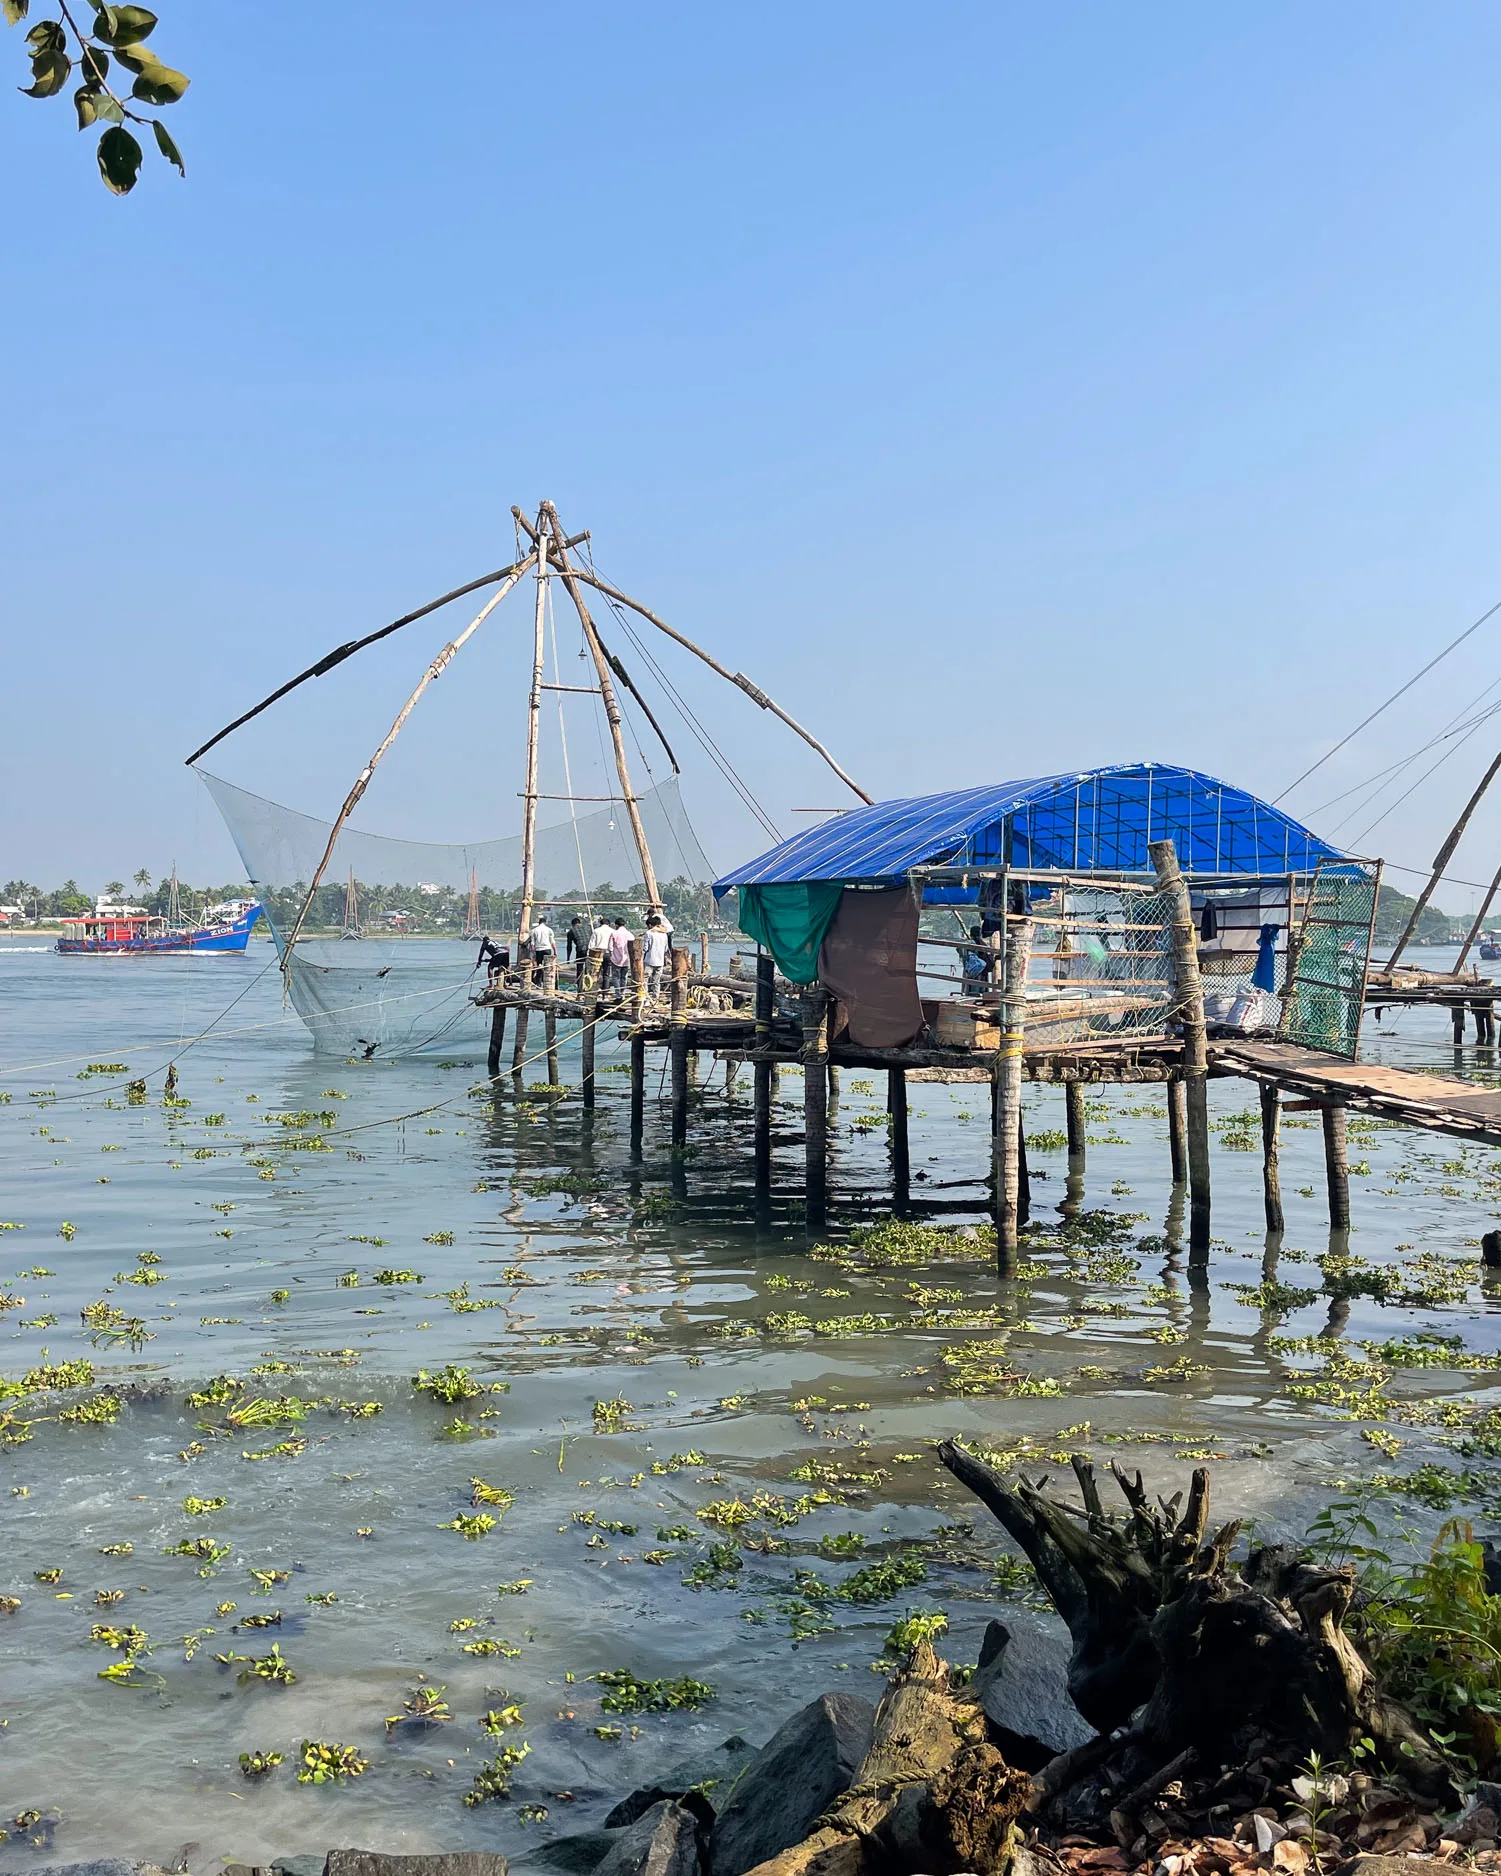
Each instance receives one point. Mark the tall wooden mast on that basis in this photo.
(533, 735)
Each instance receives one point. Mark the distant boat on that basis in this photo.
(111, 929)
(1490, 947)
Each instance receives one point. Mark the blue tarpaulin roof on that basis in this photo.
(1098, 820)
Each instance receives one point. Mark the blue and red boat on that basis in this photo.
(111, 929)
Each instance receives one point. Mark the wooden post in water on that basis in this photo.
(638, 982)
(638, 1094)
(1457, 1019)
(1005, 1146)
(1177, 1129)
(703, 954)
(1188, 989)
(1074, 1120)
(586, 1046)
(901, 1163)
(678, 1048)
(497, 1040)
(550, 1021)
(766, 971)
(815, 1106)
(1023, 1177)
(1337, 1166)
(523, 1020)
(1271, 1176)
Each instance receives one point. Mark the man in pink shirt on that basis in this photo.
(618, 958)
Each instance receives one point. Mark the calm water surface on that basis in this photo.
(660, 1361)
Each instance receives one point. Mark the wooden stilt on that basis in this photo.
(901, 1164)
(523, 1020)
(1006, 1140)
(703, 954)
(761, 1094)
(815, 1107)
(1177, 1129)
(550, 1022)
(1189, 997)
(1074, 1120)
(638, 981)
(497, 1040)
(731, 1069)
(586, 1047)
(1023, 1177)
(1271, 1176)
(1457, 1019)
(833, 1087)
(1336, 1165)
(638, 1094)
(678, 1048)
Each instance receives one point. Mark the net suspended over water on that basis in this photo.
(390, 995)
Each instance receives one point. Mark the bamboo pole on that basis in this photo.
(523, 1021)
(550, 1021)
(1177, 1129)
(1337, 1166)
(815, 1107)
(901, 1162)
(638, 1094)
(534, 739)
(497, 1040)
(761, 1096)
(1189, 996)
(1271, 1175)
(1442, 858)
(1006, 1139)
(586, 1048)
(1480, 917)
(678, 1048)
(1074, 1121)
(351, 801)
(734, 677)
(612, 711)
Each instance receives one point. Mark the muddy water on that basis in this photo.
(707, 1432)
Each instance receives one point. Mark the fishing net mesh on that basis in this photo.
(395, 996)
(1322, 1005)
(1102, 968)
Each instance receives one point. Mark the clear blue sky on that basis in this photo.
(1007, 389)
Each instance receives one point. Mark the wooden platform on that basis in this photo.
(1442, 1106)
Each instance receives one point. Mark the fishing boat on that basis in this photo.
(1490, 947)
(111, 929)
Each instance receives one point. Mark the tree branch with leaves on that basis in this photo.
(115, 37)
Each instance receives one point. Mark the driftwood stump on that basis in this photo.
(1190, 1668)
(931, 1795)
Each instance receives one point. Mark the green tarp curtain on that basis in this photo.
(790, 920)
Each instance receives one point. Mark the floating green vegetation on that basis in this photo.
(717, 1570)
(492, 1782)
(204, 1549)
(1047, 1140)
(896, 1242)
(1013, 1577)
(102, 1411)
(1429, 1349)
(321, 1599)
(267, 1580)
(914, 1627)
(285, 1410)
(105, 1323)
(613, 1416)
(389, 1277)
(9, 1604)
(1271, 1294)
(272, 1667)
(438, 1237)
(60, 1375)
(879, 1581)
(269, 1618)
(103, 1068)
(678, 1460)
(491, 1645)
(326, 1763)
(471, 1526)
(841, 1546)
(518, 1588)
(200, 1507)
(117, 1550)
(216, 1393)
(284, 1449)
(128, 1640)
(498, 1719)
(626, 1694)
(449, 1385)
(424, 1706)
(107, 1598)
(482, 1494)
(1174, 1371)
(258, 1764)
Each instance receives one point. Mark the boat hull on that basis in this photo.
(233, 936)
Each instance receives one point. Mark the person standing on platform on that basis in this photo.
(577, 940)
(544, 944)
(654, 955)
(599, 958)
(618, 958)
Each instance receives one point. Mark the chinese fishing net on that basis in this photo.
(391, 995)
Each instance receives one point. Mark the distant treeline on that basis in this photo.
(1393, 909)
(690, 907)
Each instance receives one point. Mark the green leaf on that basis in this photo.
(167, 147)
(49, 73)
(85, 102)
(159, 84)
(47, 36)
(124, 26)
(93, 65)
(106, 111)
(14, 11)
(119, 160)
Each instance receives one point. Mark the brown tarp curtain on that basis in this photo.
(868, 961)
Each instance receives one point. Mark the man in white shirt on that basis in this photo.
(599, 945)
(544, 944)
(654, 955)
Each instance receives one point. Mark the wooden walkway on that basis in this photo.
(1400, 1094)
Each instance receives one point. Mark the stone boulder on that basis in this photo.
(792, 1780)
(663, 1841)
(711, 1776)
(1022, 1686)
(437, 1863)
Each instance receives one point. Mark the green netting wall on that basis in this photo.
(1322, 1005)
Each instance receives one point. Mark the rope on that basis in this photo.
(1401, 691)
(557, 678)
